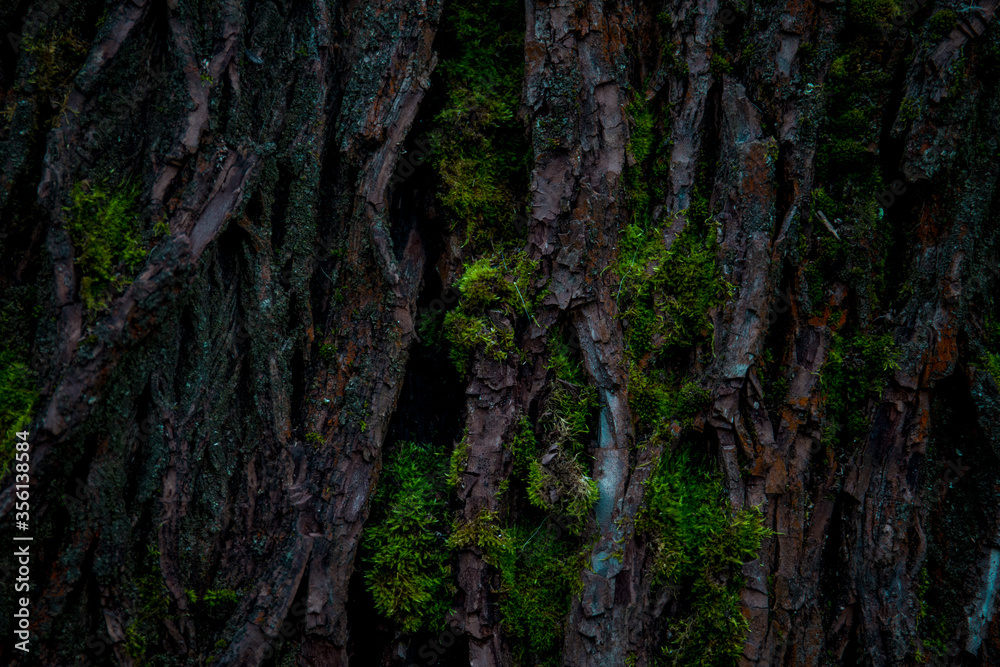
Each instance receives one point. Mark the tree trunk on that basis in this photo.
(588, 334)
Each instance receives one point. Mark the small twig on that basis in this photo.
(826, 223)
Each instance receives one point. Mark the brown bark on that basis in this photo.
(231, 403)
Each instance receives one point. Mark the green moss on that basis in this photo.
(657, 398)
(492, 289)
(220, 598)
(466, 334)
(152, 606)
(664, 295)
(483, 532)
(848, 180)
(940, 24)
(856, 371)
(408, 570)
(524, 448)
(54, 59)
(104, 230)
(19, 311)
(539, 574)
(720, 65)
(481, 153)
(562, 487)
(17, 402)
(328, 352)
(493, 282)
(571, 406)
(668, 293)
(213, 608)
(645, 177)
(458, 462)
(990, 358)
(871, 15)
(699, 545)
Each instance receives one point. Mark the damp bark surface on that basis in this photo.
(281, 277)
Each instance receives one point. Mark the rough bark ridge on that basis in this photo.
(767, 232)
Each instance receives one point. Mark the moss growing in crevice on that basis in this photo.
(699, 545)
(539, 568)
(657, 397)
(18, 396)
(480, 149)
(144, 632)
(408, 563)
(664, 296)
(990, 358)
(856, 371)
(571, 406)
(104, 228)
(561, 486)
(557, 480)
(17, 403)
(539, 574)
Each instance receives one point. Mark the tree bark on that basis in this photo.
(216, 416)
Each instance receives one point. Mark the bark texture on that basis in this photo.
(289, 194)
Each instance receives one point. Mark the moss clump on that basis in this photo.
(17, 403)
(870, 15)
(18, 398)
(409, 574)
(458, 462)
(467, 333)
(990, 358)
(483, 532)
(699, 545)
(855, 372)
(480, 149)
(557, 482)
(562, 487)
(524, 448)
(104, 230)
(539, 574)
(940, 24)
(152, 601)
(213, 608)
(54, 59)
(669, 293)
(492, 291)
(657, 398)
(571, 406)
